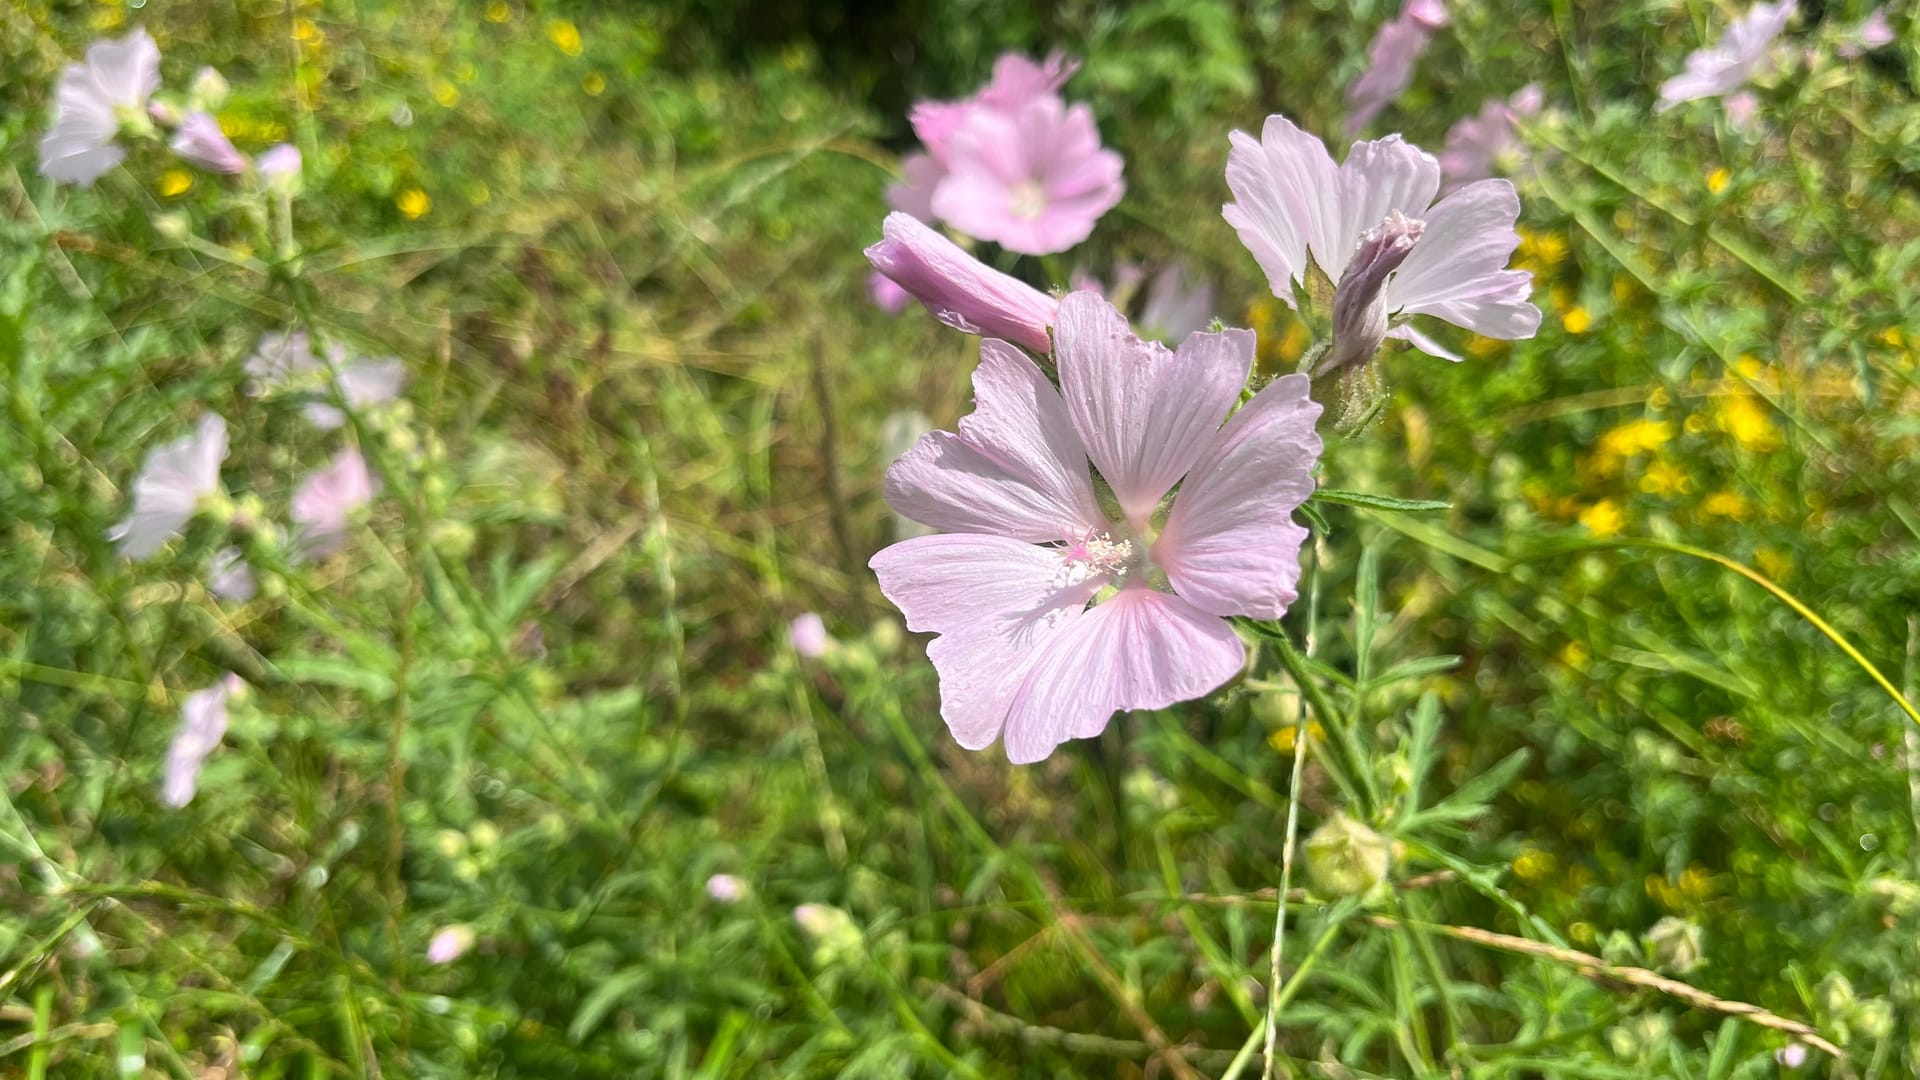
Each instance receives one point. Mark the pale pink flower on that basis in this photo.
(807, 633)
(1792, 1055)
(1033, 181)
(959, 289)
(203, 723)
(1739, 57)
(279, 166)
(725, 888)
(920, 175)
(200, 140)
(1486, 144)
(1872, 32)
(449, 943)
(886, 295)
(1743, 111)
(326, 499)
(229, 577)
(1390, 59)
(285, 361)
(171, 484)
(362, 384)
(1017, 82)
(1291, 201)
(1027, 548)
(91, 102)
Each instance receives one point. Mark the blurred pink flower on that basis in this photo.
(229, 577)
(920, 174)
(167, 492)
(1027, 547)
(1736, 59)
(200, 140)
(325, 500)
(1291, 201)
(1743, 110)
(1176, 305)
(1390, 59)
(725, 888)
(1482, 145)
(362, 384)
(1033, 181)
(449, 943)
(203, 722)
(91, 102)
(1872, 32)
(284, 360)
(807, 633)
(959, 289)
(279, 165)
(1017, 82)
(886, 295)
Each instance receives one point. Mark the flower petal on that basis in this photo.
(995, 602)
(1285, 199)
(1458, 270)
(1143, 412)
(1016, 468)
(1142, 649)
(1230, 545)
(1378, 177)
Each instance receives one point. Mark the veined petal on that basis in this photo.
(1458, 270)
(1144, 413)
(1016, 467)
(128, 70)
(1141, 649)
(997, 604)
(1230, 545)
(1285, 199)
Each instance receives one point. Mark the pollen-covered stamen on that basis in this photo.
(1097, 555)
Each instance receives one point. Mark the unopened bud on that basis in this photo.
(1360, 299)
(1676, 945)
(1346, 858)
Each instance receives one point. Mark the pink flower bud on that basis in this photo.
(201, 141)
(1360, 299)
(959, 289)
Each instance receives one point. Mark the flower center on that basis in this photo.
(1027, 199)
(1097, 555)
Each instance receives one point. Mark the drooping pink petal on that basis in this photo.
(1145, 413)
(201, 141)
(1458, 272)
(997, 604)
(168, 490)
(1230, 545)
(1287, 201)
(1015, 468)
(1141, 649)
(960, 290)
(1033, 181)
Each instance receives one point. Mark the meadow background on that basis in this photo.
(547, 692)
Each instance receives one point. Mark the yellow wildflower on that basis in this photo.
(1664, 478)
(498, 11)
(413, 203)
(1742, 417)
(1485, 348)
(1775, 564)
(1575, 655)
(307, 32)
(1542, 249)
(444, 92)
(1604, 519)
(1726, 504)
(106, 18)
(1285, 738)
(1533, 865)
(174, 182)
(1718, 179)
(1633, 438)
(565, 36)
(594, 84)
(1577, 320)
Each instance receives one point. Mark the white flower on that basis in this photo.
(168, 490)
(90, 103)
(203, 722)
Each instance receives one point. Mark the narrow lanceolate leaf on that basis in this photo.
(1379, 502)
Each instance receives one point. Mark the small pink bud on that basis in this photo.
(449, 943)
(808, 636)
(725, 888)
(959, 289)
(1359, 300)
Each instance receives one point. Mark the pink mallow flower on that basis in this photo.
(1291, 201)
(807, 633)
(1390, 59)
(229, 577)
(886, 295)
(285, 361)
(279, 166)
(1873, 32)
(1487, 143)
(1736, 59)
(326, 499)
(200, 140)
(725, 888)
(1051, 615)
(170, 487)
(1016, 82)
(92, 101)
(203, 723)
(959, 289)
(1033, 181)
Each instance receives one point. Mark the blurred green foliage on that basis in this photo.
(546, 693)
